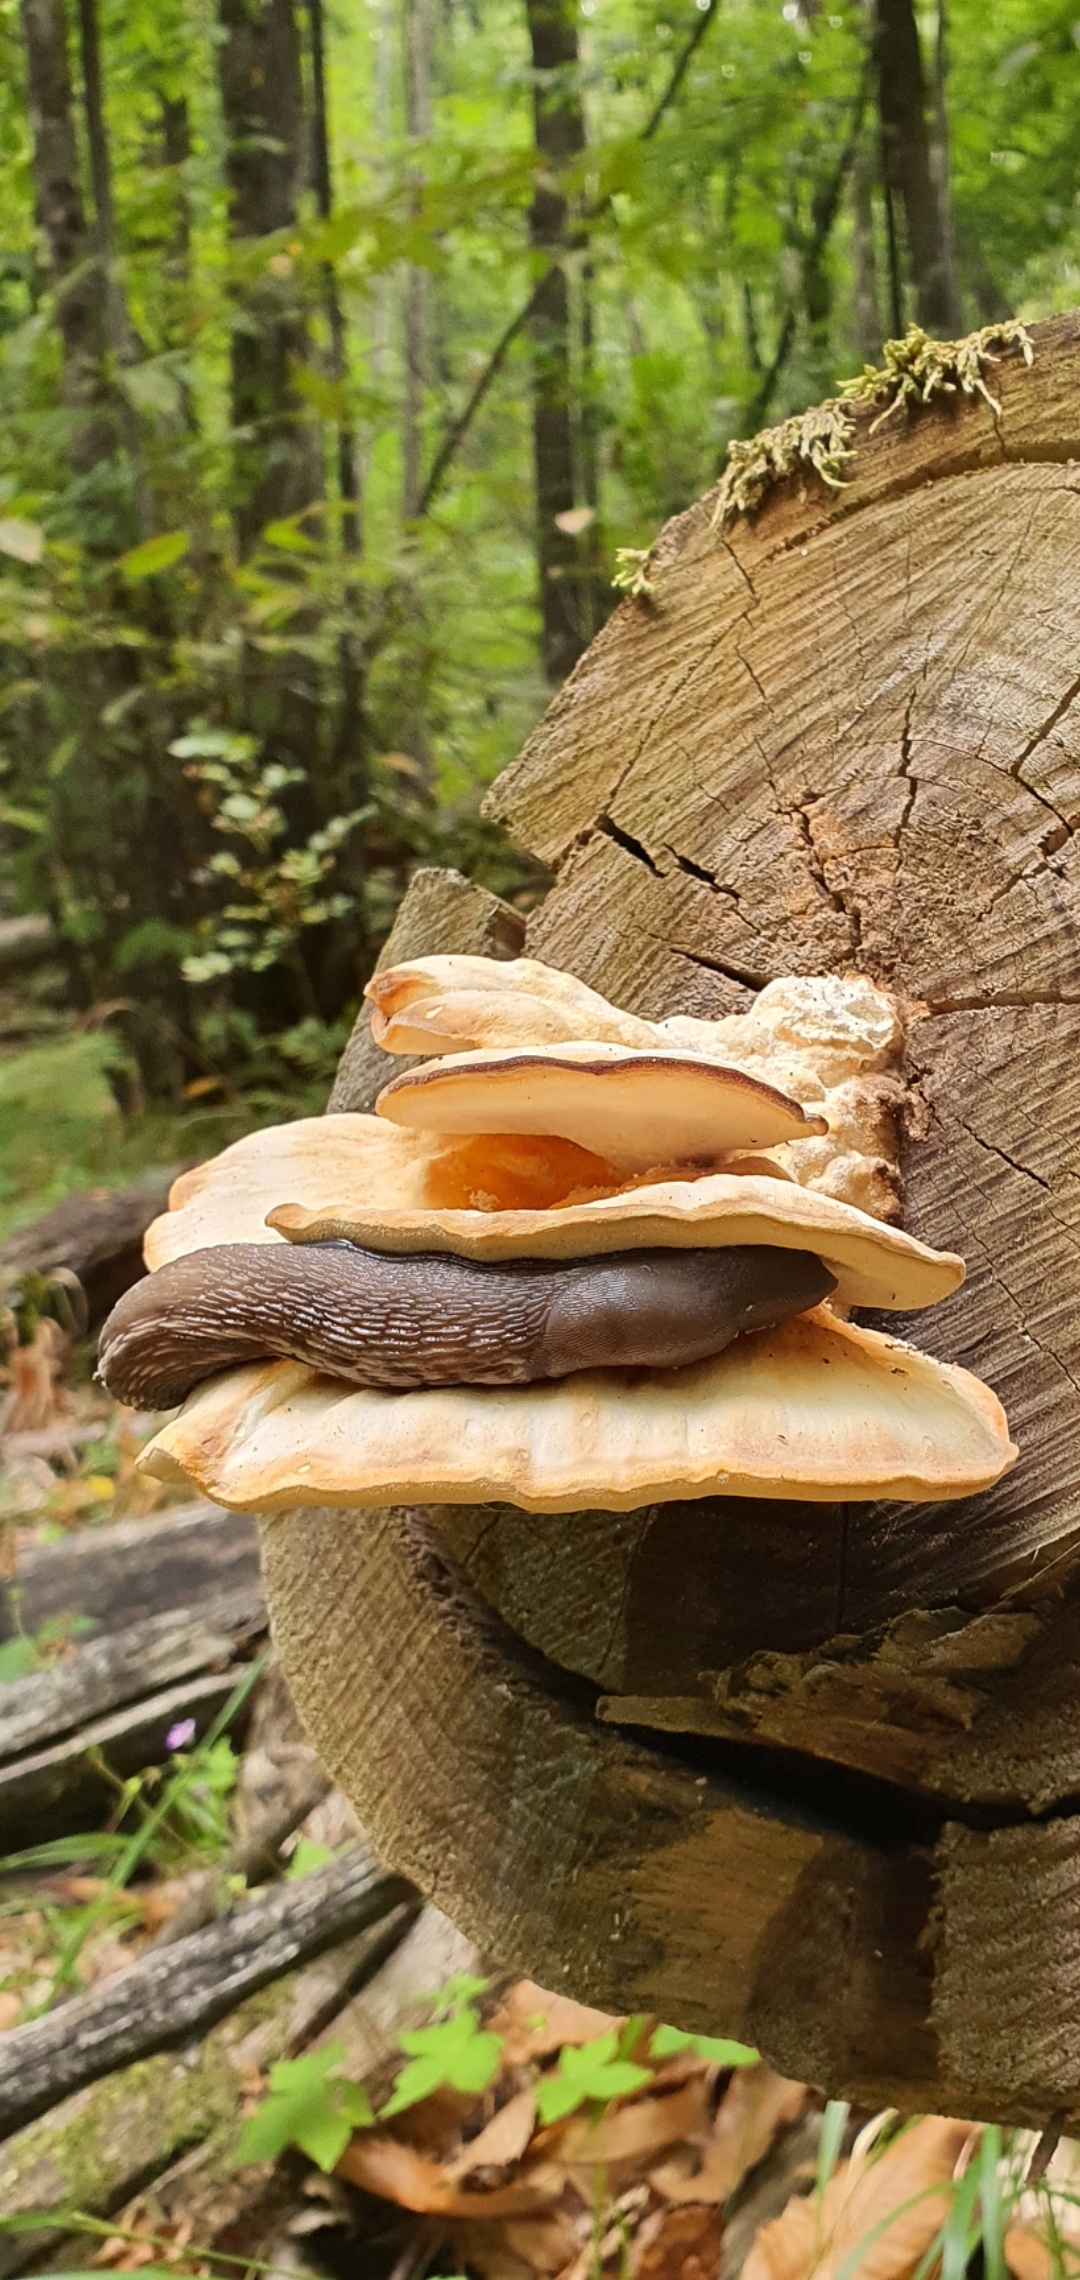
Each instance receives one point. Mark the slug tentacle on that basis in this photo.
(378, 1319)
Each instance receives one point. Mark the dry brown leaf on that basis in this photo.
(36, 1399)
(678, 2244)
(634, 2128)
(10, 2010)
(158, 1902)
(534, 2023)
(101, 1957)
(501, 2141)
(786, 2249)
(1027, 2254)
(520, 2248)
(399, 2173)
(756, 2104)
(904, 2192)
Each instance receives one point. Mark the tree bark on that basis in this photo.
(347, 772)
(908, 165)
(118, 328)
(262, 98)
(172, 1995)
(559, 127)
(77, 279)
(866, 309)
(418, 31)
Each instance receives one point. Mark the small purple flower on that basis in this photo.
(181, 1734)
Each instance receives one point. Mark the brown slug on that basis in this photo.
(376, 1319)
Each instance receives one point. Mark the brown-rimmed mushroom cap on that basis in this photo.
(636, 1109)
(357, 1178)
(874, 1264)
(814, 1410)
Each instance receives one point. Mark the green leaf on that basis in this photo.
(151, 940)
(24, 541)
(327, 397)
(17, 1658)
(833, 2124)
(457, 2054)
(286, 533)
(212, 743)
(153, 388)
(592, 2074)
(308, 1856)
(22, 819)
(715, 2048)
(59, 1852)
(306, 2108)
(153, 555)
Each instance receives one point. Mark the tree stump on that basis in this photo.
(806, 1774)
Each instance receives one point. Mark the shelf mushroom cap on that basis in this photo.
(361, 1179)
(814, 1410)
(445, 1003)
(636, 1108)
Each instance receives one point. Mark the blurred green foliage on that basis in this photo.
(362, 675)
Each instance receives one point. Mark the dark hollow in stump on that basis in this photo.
(805, 1774)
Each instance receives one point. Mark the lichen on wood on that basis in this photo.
(916, 369)
(632, 571)
(819, 439)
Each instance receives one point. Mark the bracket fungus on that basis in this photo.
(575, 1260)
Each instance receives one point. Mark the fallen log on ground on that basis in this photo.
(172, 1601)
(26, 942)
(172, 1996)
(96, 1237)
(100, 1675)
(120, 2134)
(67, 1785)
(123, 1574)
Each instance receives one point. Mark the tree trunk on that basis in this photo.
(77, 279)
(559, 126)
(866, 306)
(908, 164)
(259, 71)
(118, 329)
(845, 735)
(417, 26)
(347, 773)
(323, 186)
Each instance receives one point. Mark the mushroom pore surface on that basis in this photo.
(376, 1319)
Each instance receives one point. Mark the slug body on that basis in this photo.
(378, 1319)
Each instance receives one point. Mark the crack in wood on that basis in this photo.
(1047, 727)
(747, 977)
(628, 843)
